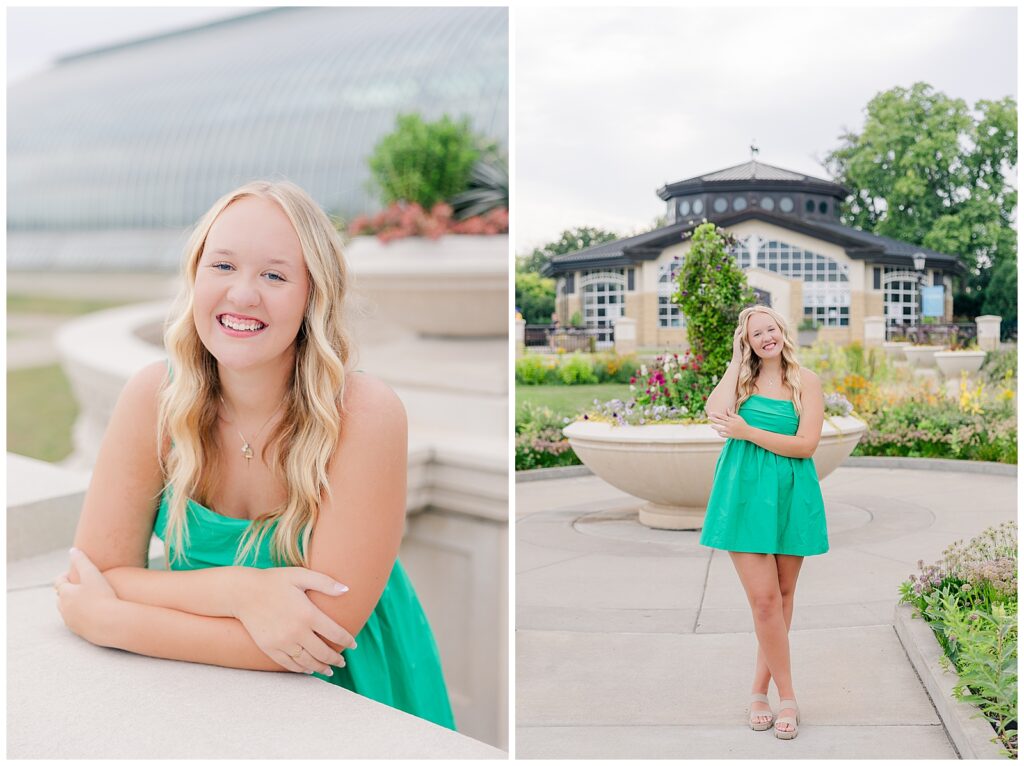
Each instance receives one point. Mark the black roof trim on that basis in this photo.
(858, 245)
(680, 188)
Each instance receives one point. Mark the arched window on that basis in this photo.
(604, 297)
(826, 282)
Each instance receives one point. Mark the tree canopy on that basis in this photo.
(927, 169)
(570, 241)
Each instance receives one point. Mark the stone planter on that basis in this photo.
(952, 363)
(672, 466)
(806, 337)
(454, 286)
(921, 356)
(895, 349)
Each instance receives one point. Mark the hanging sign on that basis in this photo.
(932, 301)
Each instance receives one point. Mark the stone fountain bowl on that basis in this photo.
(952, 363)
(672, 466)
(921, 356)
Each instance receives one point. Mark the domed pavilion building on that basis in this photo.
(796, 253)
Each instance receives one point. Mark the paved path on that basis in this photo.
(637, 643)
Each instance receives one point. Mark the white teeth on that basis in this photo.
(241, 325)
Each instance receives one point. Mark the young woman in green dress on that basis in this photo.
(766, 507)
(275, 475)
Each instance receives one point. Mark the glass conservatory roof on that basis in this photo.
(150, 133)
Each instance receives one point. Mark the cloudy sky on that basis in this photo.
(38, 36)
(613, 103)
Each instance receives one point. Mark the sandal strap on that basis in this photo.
(755, 697)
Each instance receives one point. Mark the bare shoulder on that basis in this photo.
(809, 378)
(140, 394)
(371, 404)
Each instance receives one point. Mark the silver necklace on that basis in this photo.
(247, 452)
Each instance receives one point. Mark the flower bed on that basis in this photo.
(539, 440)
(927, 424)
(575, 369)
(969, 600)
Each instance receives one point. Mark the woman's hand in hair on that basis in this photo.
(737, 345)
(83, 597)
(730, 425)
(273, 606)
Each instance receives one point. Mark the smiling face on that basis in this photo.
(764, 335)
(251, 285)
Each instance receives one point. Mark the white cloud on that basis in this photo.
(611, 102)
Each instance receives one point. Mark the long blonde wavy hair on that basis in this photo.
(302, 443)
(750, 364)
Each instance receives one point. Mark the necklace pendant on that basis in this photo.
(247, 451)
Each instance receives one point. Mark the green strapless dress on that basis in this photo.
(762, 502)
(396, 662)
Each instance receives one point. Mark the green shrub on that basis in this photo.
(576, 369)
(539, 440)
(531, 370)
(918, 428)
(833, 362)
(1000, 366)
(609, 367)
(535, 297)
(424, 162)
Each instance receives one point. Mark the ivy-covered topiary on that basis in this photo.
(711, 290)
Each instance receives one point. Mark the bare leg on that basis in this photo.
(759, 575)
(789, 569)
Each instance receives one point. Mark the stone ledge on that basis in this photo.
(66, 695)
(910, 463)
(933, 464)
(970, 733)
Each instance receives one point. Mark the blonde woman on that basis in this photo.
(275, 475)
(766, 507)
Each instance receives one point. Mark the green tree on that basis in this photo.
(425, 162)
(535, 296)
(927, 169)
(711, 290)
(570, 241)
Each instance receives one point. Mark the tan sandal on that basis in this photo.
(755, 714)
(794, 722)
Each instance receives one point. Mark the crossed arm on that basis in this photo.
(238, 617)
(801, 445)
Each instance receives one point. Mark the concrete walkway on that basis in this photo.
(637, 643)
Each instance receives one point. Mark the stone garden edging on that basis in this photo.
(970, 735)
(911, 463)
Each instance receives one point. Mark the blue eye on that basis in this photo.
(277, 277)
(217, 266)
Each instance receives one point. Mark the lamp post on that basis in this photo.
(919, 261)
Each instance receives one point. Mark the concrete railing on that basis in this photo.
(70, 699)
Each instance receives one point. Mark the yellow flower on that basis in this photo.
(970, 400)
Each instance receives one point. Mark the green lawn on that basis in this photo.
(40, 413)
(568, 400)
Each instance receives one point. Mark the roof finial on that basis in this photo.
(753, 149)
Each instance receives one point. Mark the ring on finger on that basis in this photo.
(295, 655)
